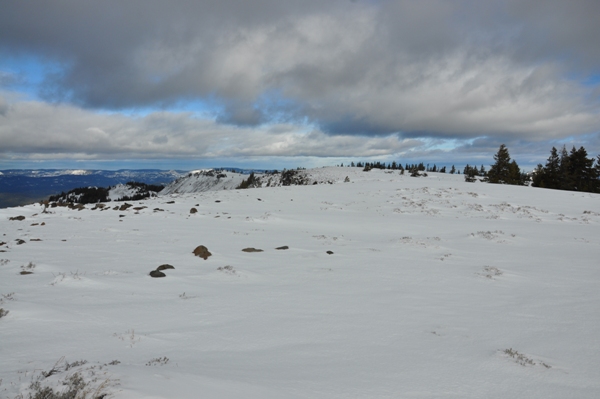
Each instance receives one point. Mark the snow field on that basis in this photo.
(431, 283)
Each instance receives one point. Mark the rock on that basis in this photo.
(330, 252)
(25, 272)
(193, 210)
(125, 206)
(202, 252)
(156, 273)
(19, 241)
(21, 217)
(252, 250)
(283, 248)
(165, 267)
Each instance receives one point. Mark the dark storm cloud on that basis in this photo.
(505, 70)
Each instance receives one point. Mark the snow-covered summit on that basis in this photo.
(363, 285)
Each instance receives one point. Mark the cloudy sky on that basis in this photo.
(283, 83)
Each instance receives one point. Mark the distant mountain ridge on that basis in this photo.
(24, 186)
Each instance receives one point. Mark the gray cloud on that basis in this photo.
(503, 70)
(35, 130)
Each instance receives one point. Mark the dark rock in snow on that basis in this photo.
(125, 206)
(330, 252)
(165, 267)
(202, 252)
(282, 248)
(252, 250)
(156, 273)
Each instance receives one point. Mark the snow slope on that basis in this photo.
(436, 288)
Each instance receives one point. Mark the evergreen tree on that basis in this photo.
(500, 171)
(564, 179)
(452, 170)
(548, 176)
(470, 173)
(581, 170)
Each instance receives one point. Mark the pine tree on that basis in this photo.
(500, 172)
(564, 179)
(581, 170)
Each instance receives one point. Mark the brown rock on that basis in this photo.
(283, 248)
(21, 217)
(193, 210)
(202, 252)
(165, 267)
(156, 273)
(252, 250)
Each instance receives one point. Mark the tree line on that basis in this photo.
(563, 170)
(572, 171)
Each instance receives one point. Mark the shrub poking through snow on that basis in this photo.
(3, 312)
(83, 383)
(159, 361)
(27, 269)
(226, 269)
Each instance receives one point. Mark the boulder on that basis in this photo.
(156, 273)
(202, 252)
(252, 250)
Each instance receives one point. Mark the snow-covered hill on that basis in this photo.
(390, 287)
(215, 180)
(204, 180)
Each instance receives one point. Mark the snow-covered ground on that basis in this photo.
(436, 288)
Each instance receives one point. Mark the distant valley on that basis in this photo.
(20, 187)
